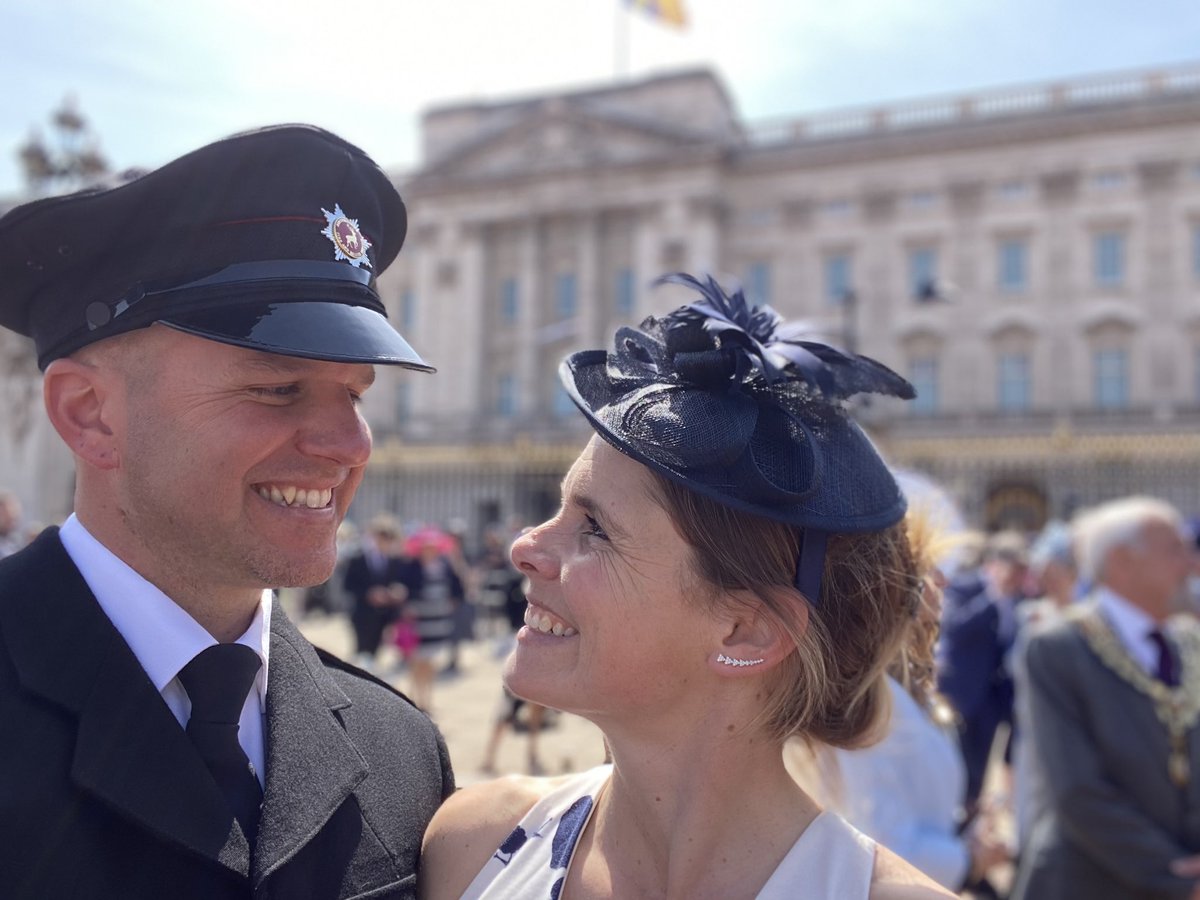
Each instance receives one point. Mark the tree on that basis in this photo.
(70, 160)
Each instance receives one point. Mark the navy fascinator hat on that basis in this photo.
(732, 402)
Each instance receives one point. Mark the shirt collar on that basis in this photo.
(162, 636)
(1131, 624)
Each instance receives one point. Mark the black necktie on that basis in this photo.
(1168, 670)
(217, 682)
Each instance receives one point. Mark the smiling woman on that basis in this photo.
(726, 571)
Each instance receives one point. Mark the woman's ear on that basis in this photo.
(79, 401)
(752, 638)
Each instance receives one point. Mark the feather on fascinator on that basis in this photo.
(730, 401)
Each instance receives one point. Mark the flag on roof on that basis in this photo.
(670, 12)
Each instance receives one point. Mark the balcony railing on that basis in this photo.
(1087, 92)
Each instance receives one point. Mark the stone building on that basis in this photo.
(1028, 257)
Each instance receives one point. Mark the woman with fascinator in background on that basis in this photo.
(727, 569)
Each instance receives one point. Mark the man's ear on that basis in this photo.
(752, 638)
(79, 399)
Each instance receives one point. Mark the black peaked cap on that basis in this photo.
(271, 239)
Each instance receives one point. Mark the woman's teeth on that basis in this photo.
(294, 496)
(545, 625)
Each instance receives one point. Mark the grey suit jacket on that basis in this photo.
(1116, 820)
(102, 795)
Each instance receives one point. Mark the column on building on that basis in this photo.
(469, 323)
(880, 289)
(593, 289)
(702, 229)
(425, 397)
(1069, 375)
(529, 316)
(1163, 345)
(970, 375)
(647, 258)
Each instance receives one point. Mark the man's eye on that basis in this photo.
(280, 390)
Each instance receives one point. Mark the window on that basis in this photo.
(1110, 378)
(624, 292)
(1013, 189)
(758, 282)
(506, 395)
(562, 404)
(1108, 180)
(919, 200)
(922, 273)
(508, 301)
(565, 300)
(1013, 382)
(837, 278)
(408, 310)
(1012, 271)
(837, 207)
(1108, 258)
(923, 373)
(403, 401)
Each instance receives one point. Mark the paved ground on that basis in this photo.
(465, 709)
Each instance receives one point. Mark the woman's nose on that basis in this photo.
(532, 554)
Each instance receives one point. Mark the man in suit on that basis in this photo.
(206, 333)
(1115, 696)
(374, 580)
(978, 628)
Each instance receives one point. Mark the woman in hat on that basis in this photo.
(726, 570)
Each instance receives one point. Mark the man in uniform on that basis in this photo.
(1114, 693)
(206, 333)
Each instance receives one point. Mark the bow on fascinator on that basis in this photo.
(758, 343)
(729, 400)
(743, 369)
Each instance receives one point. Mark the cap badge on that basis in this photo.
(348, 241)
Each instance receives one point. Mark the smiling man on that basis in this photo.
(206, 333)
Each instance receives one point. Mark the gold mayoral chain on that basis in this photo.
(1178, 708)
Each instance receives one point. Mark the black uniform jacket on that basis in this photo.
(102, 794)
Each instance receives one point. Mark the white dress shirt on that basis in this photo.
(1132, 626)
(164, 638)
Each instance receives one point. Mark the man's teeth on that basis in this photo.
(546, 625)
(294, 496)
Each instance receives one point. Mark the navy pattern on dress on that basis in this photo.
(566, 836)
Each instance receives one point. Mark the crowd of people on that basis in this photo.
(806, 686)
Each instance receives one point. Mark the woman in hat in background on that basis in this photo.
(726, 570)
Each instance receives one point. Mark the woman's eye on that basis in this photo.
(594, 529)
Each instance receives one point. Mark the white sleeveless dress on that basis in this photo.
(829, 861)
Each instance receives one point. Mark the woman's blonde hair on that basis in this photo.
(914, 666)
(833, 688)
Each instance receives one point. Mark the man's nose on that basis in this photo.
(335, 429)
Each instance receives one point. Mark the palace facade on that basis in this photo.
(1028, 257)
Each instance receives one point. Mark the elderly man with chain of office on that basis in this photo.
(206, 333)
(1115, 697)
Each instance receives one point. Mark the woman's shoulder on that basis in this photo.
(895, 879)
(471, 824)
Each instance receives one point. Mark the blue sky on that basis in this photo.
(157, 79)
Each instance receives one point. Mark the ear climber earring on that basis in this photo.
(730, 661)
